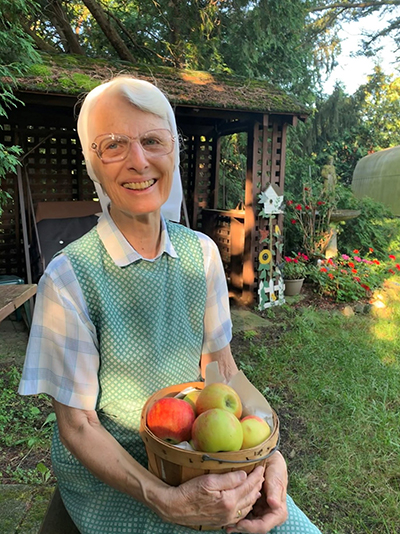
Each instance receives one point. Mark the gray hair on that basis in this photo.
(146, 97)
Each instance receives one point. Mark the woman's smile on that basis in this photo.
(139, 186)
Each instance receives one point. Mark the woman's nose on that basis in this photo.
(136, 156)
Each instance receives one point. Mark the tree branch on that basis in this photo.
(147, 51)
(354, 5)
(109, 31)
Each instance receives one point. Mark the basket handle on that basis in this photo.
(207, 458)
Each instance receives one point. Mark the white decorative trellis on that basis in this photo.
(271, 286)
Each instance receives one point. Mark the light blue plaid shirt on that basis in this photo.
(62, 357)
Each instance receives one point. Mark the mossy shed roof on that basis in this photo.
(74, 75)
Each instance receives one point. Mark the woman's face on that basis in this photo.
(141, 183)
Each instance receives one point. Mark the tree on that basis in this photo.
(16, 54)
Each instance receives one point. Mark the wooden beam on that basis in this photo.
(215, 164)
(250, 216)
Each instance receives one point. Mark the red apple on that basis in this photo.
(171, 419)
(221, 396)
(217, 430)
(255, 431)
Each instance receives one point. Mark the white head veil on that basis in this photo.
(146, 97)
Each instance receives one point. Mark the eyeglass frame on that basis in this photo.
(95, 147)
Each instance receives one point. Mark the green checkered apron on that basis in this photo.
(149, 321)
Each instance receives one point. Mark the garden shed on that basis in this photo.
(207, 107)
(378, 176)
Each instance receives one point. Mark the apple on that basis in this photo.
(255, 431)
(217, 430)
(171, 419)
(191, 398)
(221, 396)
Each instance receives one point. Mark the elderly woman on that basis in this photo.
(133, 306)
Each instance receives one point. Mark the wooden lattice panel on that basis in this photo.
(203, 178)
(53, 167)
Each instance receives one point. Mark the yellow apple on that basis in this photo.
(191, 398)
(255, 431)
(217, 430)
(220, 396)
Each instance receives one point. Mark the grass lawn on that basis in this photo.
(335, 384)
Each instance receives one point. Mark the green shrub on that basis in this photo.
(374, 228)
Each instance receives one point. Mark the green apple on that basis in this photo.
(191, 398)
(217, 430)
(220, 396)
(255, 431)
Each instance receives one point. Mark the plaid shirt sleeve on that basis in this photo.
(62, 357)
(217, 317)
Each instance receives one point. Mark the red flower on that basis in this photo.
(365, 287)
(356, 251)
(371, 249)
(298, 207)
(306, 189)
(356, 278)
(331, 276)
(324, 270)
(289, 202)
(307, 207)
(351, 264)
(392, 257)
(330, 261)
(377, 262)
(398, 266)
(320, 203)
(293, 221)
(392, 271)
(295, 261)
(354, 271)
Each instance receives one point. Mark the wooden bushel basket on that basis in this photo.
(175, 466)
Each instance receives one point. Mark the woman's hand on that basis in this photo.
(270, 510)
(212, 500)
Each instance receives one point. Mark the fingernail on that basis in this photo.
(243, 475)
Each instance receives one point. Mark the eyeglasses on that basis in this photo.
(115, 147)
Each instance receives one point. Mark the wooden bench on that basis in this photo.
(57, 519)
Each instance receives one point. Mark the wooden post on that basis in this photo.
(281, 184)
(196, 178)
(249, 216)
(216, 156)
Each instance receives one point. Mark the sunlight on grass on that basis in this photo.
(385, 328)
(335, 384)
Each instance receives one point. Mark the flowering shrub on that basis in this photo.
(350, 278)
(313, 216)
(295, 267)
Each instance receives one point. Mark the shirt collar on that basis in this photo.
(120, 251)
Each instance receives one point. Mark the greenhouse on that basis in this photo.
(378, 176)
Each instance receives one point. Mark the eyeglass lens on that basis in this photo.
(154, 142)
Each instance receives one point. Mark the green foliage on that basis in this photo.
(311, 214)
(232, 170)
(374, 228)
(26, 427)
(16, 54)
